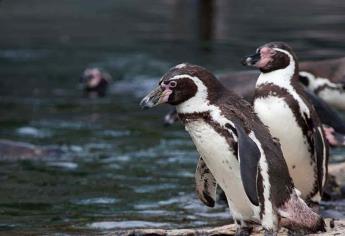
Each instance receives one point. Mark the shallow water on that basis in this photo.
(119, 167)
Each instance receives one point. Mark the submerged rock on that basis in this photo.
(13, 150)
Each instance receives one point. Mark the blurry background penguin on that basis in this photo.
(95, 82)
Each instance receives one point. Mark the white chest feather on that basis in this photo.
(276, 114)
(280, 79)
(220, 159)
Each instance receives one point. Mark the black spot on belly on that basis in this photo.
(293, 166)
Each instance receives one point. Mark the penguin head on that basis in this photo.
(95, 80)
(182, 83)
(270, 57)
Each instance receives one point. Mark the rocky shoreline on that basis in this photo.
(334, 227)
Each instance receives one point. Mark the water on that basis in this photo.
(118, 166)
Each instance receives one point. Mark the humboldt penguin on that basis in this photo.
(283, 106)
(331, 92)
(95, 82)
(237, 152)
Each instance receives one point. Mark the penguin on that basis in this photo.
(237, 152)
(95, 82)
(281, 104)
(331, 92)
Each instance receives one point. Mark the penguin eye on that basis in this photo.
(172, 84)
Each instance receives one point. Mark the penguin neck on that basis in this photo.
(284, 77)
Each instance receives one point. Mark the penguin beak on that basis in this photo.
(157, 96)
(251, 60)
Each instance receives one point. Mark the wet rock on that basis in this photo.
(338, 170)
(13, 150)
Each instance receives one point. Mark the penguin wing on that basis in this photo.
(206, 184)
(320, 151)
(249, 156)
(317, 137)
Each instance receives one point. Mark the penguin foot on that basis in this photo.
(244, 231)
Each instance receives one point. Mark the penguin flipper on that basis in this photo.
(206, 185)
(249, 156)
(320, 153)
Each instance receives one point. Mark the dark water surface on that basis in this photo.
(120, 168)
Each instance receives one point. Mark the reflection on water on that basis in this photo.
(118, 167)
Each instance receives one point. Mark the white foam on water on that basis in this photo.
(125, 224)
(33, 132)
(96, 201)
(64, 165)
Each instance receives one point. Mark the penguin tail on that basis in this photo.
(296, 215)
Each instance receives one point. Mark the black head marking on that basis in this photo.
(186, 87)
(276, 59)
(270, 57)
(304, 80)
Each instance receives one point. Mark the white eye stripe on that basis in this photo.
(177, 77)
(283, 51)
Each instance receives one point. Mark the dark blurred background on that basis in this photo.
(118, 167)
